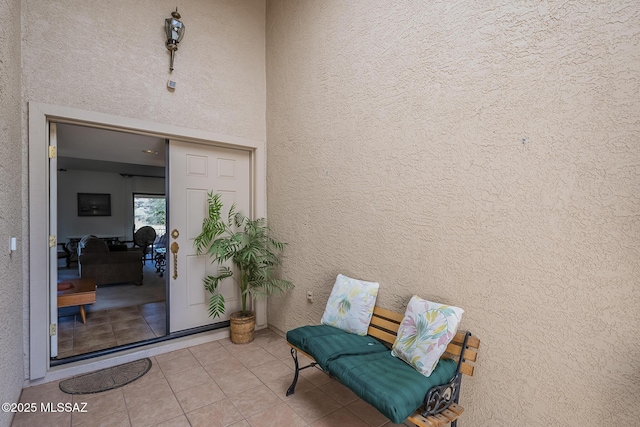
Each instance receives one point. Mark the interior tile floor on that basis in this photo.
(214, 384)
(110, 328)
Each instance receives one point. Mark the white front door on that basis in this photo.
(195, 170)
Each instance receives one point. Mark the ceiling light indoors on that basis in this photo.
(149, 152)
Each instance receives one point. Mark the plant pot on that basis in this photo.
(242, 327)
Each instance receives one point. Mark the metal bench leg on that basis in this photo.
(292, 387)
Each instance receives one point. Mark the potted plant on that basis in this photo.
(254, 253)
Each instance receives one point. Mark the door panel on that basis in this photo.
(194, 170)
(53, 251)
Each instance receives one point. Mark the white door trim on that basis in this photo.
(38, 278)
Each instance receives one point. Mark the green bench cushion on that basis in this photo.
(300, 336)
(326, 343)
(389, 384)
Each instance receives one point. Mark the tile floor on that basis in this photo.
(214, 384)
(110, 328)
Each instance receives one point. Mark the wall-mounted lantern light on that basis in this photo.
(175, 31)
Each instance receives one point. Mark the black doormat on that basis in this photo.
(106, 379)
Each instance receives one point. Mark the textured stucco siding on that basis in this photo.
(481, 155)
(11, 295)
(110, 57)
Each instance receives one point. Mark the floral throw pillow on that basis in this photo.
(426, 330)
(350, 305)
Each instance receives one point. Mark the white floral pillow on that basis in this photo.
(350, 305)
(426, 330)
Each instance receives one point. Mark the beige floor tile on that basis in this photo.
(236, 349)
(64, 335)
(178, 364)
(136, 394)
(159, 330)
(221, 413)
(153, 308)
(91, 329)
(341, 417)
(367, 413)
(265, 339)
(281, 385)
(165, 357)
(272, 371)
(117, 419)
(182, 380)
(224, 367)
(94, 318)
(208, 355)
(199, 396)
(278, 416)
(58, 419)
(243, 423)
(279, 350)
(162, 409)
(48, 392)
(254, 357)
(255, 400)
(127, 336)
(123, 316)
(313, 405)
(65, 346)
(180, 421)
(154, 373)
(66, 323)
(132, 309)
(337, 391)
(98, 405)
(315, 376)
(129, 324)
(237, 382)
(159, 317)
(92, 340)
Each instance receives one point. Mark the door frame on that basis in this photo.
(40, 115)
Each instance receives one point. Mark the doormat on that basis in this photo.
(106, 379)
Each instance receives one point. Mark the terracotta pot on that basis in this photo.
(242, 327)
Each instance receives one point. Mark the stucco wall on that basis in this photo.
(110, 57)
(11, 296)
(478, 155)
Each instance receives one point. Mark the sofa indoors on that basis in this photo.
(110, 264)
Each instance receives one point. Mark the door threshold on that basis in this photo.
(108, 358)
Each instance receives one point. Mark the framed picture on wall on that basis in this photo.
(94, 204)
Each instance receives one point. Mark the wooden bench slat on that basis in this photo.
(392, 315)
(450, 415)
(382, 335)
(466, 369)
(469, 354)
(421, 421)
(456, 408)
(441, 419)
(472, 342)
(385, 324)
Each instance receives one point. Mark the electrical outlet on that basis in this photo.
(310, 296)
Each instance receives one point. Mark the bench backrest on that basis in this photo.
(384, 326)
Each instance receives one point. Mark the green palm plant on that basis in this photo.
(247, 244)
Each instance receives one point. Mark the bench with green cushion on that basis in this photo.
(365, 365)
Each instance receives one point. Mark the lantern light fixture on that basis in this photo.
(174, 29)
